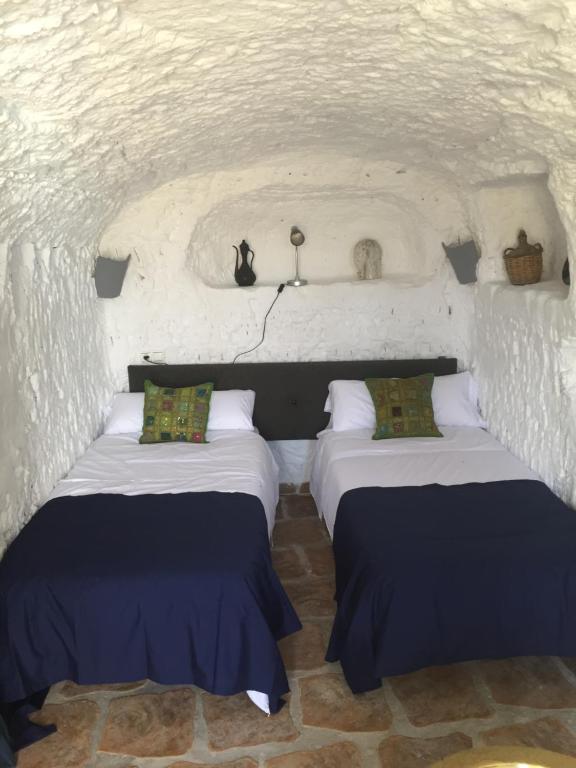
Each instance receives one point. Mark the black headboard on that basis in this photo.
(290, 397)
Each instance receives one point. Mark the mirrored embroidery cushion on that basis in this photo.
(403, 407)
(175, 414)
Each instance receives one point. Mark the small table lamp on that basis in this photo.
(296, 238)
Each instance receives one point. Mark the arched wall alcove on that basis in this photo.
(182, 234)
(333, 218)
(501, 206)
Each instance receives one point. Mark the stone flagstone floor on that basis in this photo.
(411, 722)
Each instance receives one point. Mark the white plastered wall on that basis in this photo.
(524, 346)
(179, 296)
(180, 299)
(55, 374)
(103, 102)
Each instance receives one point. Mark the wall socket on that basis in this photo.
(153, 357)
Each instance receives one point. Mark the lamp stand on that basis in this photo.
(297, 281)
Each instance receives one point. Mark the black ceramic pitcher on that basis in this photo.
(243, 272)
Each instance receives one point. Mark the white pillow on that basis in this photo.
(229, 409)
(351, 405)
(454, 399)
(126, 415)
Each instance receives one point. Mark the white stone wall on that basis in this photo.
(171, 303)
(54, 372)
(104, 101)
(179, 299)
(525, 356)
(335, 200)
(500, 208)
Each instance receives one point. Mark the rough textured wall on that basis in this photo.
(500, 208)
(167, 306)
(104, 101)
(335, 200)
(55, 376)
(525, 356)
(177, 298)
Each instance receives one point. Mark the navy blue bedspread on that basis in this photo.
(439, 574)
(177, 588)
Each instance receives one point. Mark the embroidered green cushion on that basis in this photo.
(403, 407)
(175, 414)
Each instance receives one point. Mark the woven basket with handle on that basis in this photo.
(524, 263)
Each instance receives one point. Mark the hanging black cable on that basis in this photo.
(278, 292)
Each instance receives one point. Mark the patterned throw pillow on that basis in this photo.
(175, 415)
(403, 407)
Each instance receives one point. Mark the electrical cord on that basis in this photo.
(278, 292)
(152, 362)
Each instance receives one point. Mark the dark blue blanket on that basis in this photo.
(439, 574)
(177, 588)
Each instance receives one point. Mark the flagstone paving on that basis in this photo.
(411, 722)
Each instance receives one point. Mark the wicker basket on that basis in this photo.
(524, 263)
(523, 270)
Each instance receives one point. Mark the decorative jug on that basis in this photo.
(524, 263)
(243, 272)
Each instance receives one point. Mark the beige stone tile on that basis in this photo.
(150, 725)
(304, 531)
(312, 597)
(342, 755)
(569, 662)
(305, 649)
(233, 721)
(440, 695)
(327, 702)
(321, 560)
(528, 682)
(71, 745)
(71, 690)
(300, 506)
(547, 733)
(244, 762)
(286, 488)
(408, 752)
(287, 564)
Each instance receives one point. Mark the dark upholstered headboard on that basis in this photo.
(290, 397)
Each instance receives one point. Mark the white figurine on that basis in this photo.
(368, 260)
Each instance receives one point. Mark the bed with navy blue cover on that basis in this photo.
(439, 574)
(176, 588)
(148, 562)
(431, 573)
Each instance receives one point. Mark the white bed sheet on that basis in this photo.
(231, 461)
(351, 459)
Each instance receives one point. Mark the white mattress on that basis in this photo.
(231, 461)
(351, 459)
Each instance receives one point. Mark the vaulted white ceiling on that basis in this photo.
(103, 100)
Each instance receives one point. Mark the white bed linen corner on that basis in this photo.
(232, 461)
(351, 459)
